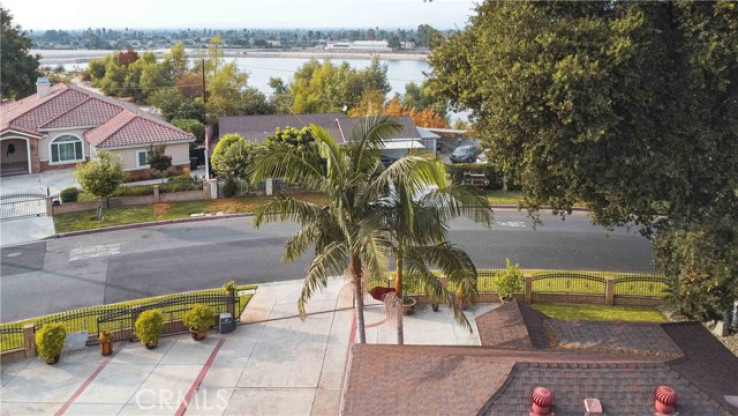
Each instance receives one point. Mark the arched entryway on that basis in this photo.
(15, 156)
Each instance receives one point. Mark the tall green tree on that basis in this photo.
(629, 107)
(101, 177)
(418, 204)
(346, 235)
(18, 67)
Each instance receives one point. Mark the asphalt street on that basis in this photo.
(67, 273)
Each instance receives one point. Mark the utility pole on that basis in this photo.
(208, 128)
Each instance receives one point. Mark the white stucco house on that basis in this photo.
(62, 125)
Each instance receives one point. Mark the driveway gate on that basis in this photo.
(22, 204)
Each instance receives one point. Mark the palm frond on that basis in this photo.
(293, 165)
(416, 269)
(283, 208)
(333, 260)
(457, 201)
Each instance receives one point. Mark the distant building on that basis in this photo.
(370, 45)
(360, 46)
(338, 46)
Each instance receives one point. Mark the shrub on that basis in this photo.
(181, 183)
(199, 317)
(230, 188)
(491, 171)
(70, 194)
(50, 340)
(509, 281)
(192, 126)
(149, 325)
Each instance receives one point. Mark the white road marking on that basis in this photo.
(513, 224)
(91, 252)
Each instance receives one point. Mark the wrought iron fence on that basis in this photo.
(569, 282)
(11, 337)
(641, 285)
(117, 316)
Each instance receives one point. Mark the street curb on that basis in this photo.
(146, 224)
(206, 218)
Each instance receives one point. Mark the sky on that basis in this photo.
(222, 14)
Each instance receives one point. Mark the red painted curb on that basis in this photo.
(199, 379)
(82, 388)
(352, 339)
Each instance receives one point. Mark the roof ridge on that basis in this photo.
(112, 133)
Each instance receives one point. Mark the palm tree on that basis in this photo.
(417, 208)
(347, 234)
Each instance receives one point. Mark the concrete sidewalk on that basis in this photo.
(274, 364)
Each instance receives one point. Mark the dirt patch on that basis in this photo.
(161, 209)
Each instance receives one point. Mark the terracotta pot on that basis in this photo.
(152, 345)
(198, 334)
(52, 360)
(106, 347)
(408, 306)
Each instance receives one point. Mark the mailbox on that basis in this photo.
(226, 323)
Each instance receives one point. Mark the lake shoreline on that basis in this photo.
(71, 56)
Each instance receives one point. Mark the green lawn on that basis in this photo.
(499, 197)
(600, 312)
(85, 220)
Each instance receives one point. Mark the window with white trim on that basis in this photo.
(142, 158)
(66, 149)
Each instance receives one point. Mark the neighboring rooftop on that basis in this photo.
(618, 363)
(257, 128)
(64, 106)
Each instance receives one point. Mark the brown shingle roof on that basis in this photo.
(513, 325)
(623, 389)
(259, 127)
(617, 362)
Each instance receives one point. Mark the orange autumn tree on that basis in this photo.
(423, 118)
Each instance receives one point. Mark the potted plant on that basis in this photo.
(408, 305)
(461, 298)
(50, 341)
(199, 319)
(508, 282)
(105, 339)
(148, 327)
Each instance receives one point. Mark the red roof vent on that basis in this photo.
(542, 401)
(666, 400)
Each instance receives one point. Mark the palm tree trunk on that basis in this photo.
(358, 297)
(400, 296)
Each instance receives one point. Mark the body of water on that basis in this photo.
(399, 72)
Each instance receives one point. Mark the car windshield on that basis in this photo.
(460, 151)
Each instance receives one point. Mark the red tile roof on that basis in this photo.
(116, 123)
(620, 363)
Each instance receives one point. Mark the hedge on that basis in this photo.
(491, 171)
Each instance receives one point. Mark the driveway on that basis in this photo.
(55, 180)
(18, 230)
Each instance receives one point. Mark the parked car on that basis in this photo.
(465, 154)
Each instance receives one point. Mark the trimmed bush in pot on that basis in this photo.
(50, 341)
(149, 326)
(509, 281)
(199, 319)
